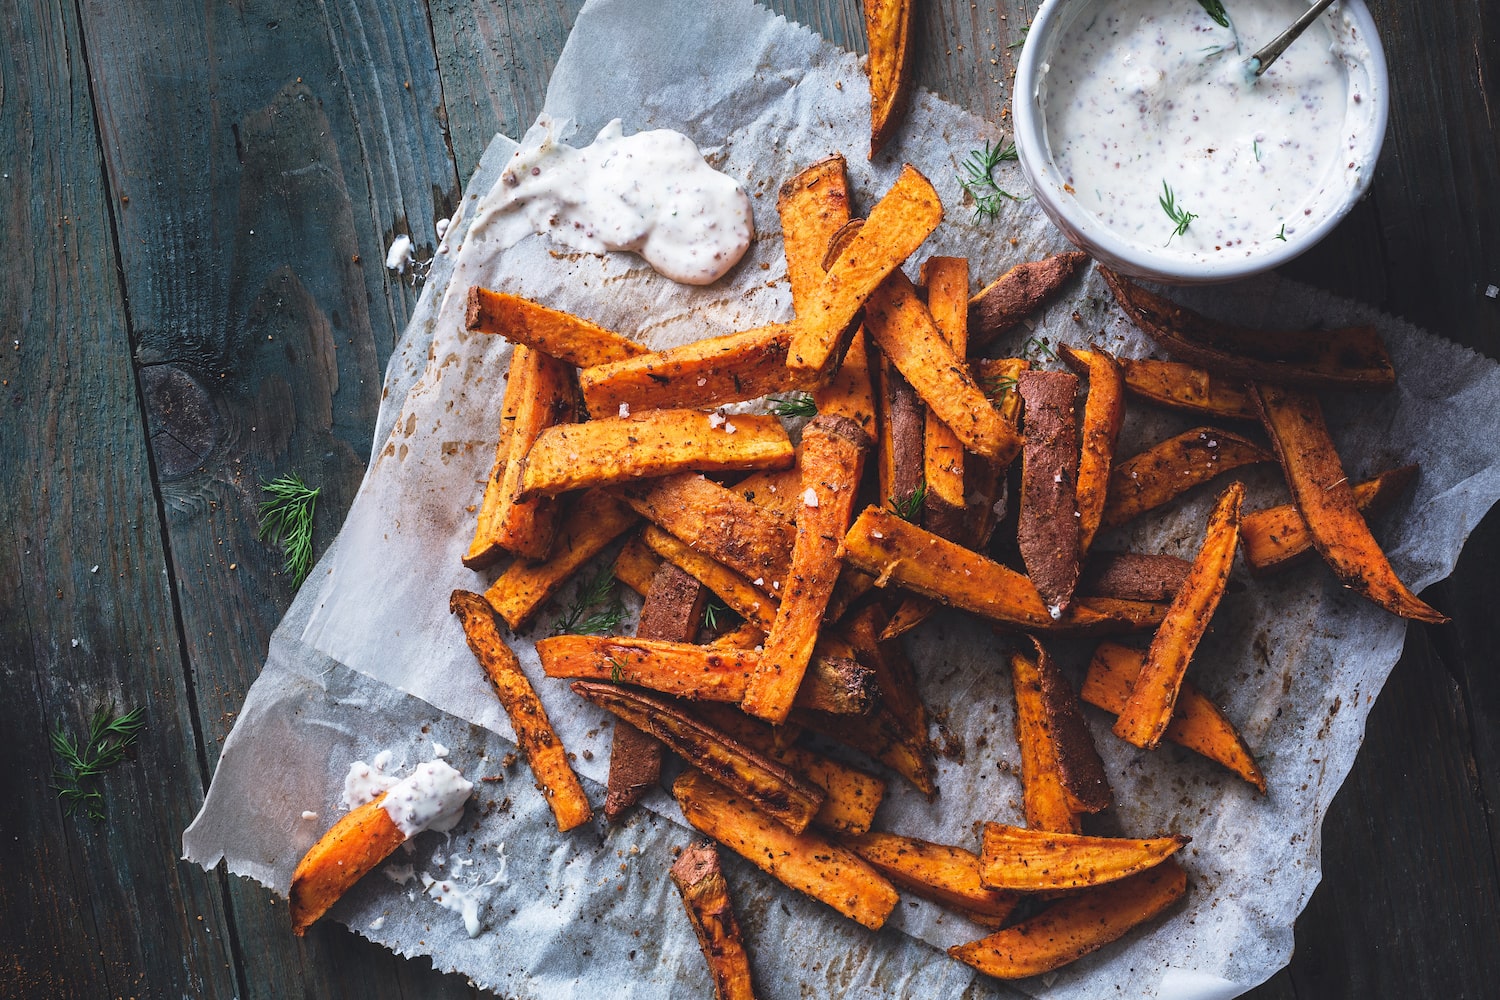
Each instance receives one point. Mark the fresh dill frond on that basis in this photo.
(977, 178)
(109, 736)
(1036, 349)
(909, 508)
(287, 519)
(1181, 217)
(995, 387)
(712, 609)
(616, 670)
(585, 616)
(795, 404)
(1216, 11)
(1022, 40)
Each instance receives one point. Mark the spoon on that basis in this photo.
(1263, 59)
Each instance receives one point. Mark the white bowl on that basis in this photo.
(1350, 23)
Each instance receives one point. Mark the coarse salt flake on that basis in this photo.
(624, 409)
(728, 427)
(716, 420)
(810, 497)
(1491, 291)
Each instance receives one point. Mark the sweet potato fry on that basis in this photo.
(911, 612)
(1008, 299)
(1148, 712)
(1078, 765)
(784, 796)
(881, 735)
(1165, 471)
(654, 443)
(594, 520)
(1320, 488)
(899, 448)
(943, 503)
(534, 733)
(673, 611)
(946, 875)
(705, 894)
(899, 553)
(706, 673)
(351, 849)
(899, 694)
(832, 462)
(1185, 387)
(903, 329)
(888, 25)
(1044, 800)
(805, 862)
(776, 491)
(702, 374)
(557, 334)
(896, 226)
(1134, 576)
(1072, 927)
(483, 550)
(1275, 538)
(1350, 358)
(1197, 723)
(984, 480)
(508, 521)
(1036, 860)
(1048, 530)
(718, 523)
(1103, 415)
(742, 596)
(636, 565)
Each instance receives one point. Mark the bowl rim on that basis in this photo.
(1137, 260)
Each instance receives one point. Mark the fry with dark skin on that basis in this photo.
(1048, 531)
(899, 448)
(534, 733)
(1144, 720)
(1320, 488)
(705, 894)
(1044, 800)
(1014, 295)
(1134, 576)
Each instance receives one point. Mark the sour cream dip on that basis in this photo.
(650, 193)
(1158, 141)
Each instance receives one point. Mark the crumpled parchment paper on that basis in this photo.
(369, 659)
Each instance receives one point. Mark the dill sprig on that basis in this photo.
(712, 609)
(795, 404)
(585, 616)
(616, 671)
(1036, 350)
(287, 519)
(109, 736)
(1181, 216)
(978, 178)
(909, 508)
(995, 387)
(1216, 11)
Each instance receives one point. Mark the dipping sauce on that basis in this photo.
(650, 193)
(1161, 133)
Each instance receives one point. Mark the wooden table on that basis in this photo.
(197, 198)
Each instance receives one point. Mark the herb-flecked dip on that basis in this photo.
(1161, 132)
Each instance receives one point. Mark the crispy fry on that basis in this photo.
(654, 443)
(1071, 928)
(718, 523)
(557, 334)
(904, 330)
(1275, 538)
(944, 503)
(636, 565)
(943, 874)
(510, 522)
(1147, 713)
(1103, 415)
(1321, 490)
(888, 25)
(1007, 300)
(784, 796)
(351, 849)
(594, 520)
(705, 894)
(534, 733)
(1045, 801)
(899, 553)
(895, 228)
(899, 450)
(1134, 576)
(1189, 388)
(805, 862)
(1350, 358)
(1167, 470)
(1048, 530)
(1197, 723)
(1037, 860)
(483, 550)
(704, 373)
(707, 673)
(832, 462)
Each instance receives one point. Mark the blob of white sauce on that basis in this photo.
(432, 797)
(1145, 96)
(650, 193)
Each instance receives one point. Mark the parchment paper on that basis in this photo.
(369, 659)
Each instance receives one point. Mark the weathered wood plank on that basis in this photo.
(86, 612)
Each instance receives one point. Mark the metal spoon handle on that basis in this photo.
(1266, 56)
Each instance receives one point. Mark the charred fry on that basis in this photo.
(705, 894)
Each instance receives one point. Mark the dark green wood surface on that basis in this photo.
(197, 200)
